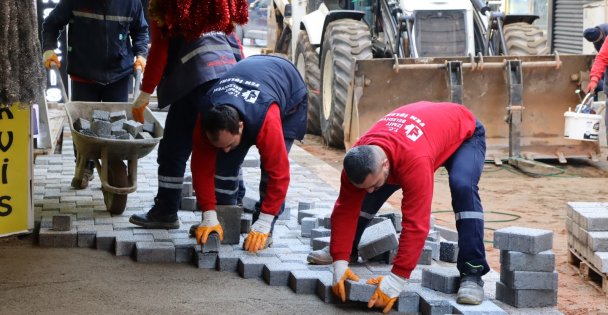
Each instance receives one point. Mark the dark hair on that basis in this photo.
(359, 162)
(221, 117)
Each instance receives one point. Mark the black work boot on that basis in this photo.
(471, 285)
(159, 217)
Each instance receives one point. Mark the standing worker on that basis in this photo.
(184, 68)
(262, 101)
(108, 40)
(597, 35)
(598, 70)
(403, 150)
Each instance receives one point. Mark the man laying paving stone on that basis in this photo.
(403, 150)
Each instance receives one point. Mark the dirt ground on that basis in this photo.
(511, 198)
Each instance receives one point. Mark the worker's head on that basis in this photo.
(223, 127)
(366, 167)
(593, 34)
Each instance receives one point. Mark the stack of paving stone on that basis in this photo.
(527, 272)
(113, 125)
(587, 225)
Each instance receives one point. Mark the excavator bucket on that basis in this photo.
(521, 100)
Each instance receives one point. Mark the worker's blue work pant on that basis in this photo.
(464, 169)
(229, 186)
(95, 92)
(176, 146)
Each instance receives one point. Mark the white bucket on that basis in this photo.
(579, 126)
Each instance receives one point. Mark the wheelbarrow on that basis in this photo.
(117, 179)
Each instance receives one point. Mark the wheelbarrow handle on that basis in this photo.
(64, 94)
(138, 72)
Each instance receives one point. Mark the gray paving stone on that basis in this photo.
(448, 251)
(228, 260)
(319, 232)
(285, 215)
(184, 251)
(305, 205)
(525, 240)
(442, 279)
(529, 280)
(525, 298)
(598, 240)
(187, 189)
(51, 238)
(246, 223)
(62, 222)
(230, 219)
(313, 213)
(377, 239)
(294, 258)
(435, 307)
(319, 242)
(188, 204)
(206, 260)
(426, 257)
(486, 307)
(278, 274)
(324, 291)
(86, 239)
(408, 303)
(212, 245)
(359, 291)
(308, 224)
(435, 248)
(154, 252)
(252, 266)
(512, 261)
(305, 281)
(395, 219)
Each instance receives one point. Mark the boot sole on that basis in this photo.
(468, 300)
(155, 225)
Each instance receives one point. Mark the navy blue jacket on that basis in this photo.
(99, 38)
(190, 64)
(254, 84)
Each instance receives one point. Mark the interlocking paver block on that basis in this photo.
(102, 128)
(512, 261)
(51, 238)
(252, 266)
(245, 223)
(305, 281)
(81, 124)
(212, 245)
(308, 224)
(101, 115)
(187, 189)
(529, 280)
(408, 303)
(525, 298)
(359, 291)
(442, 279)
(448, 251)
(62, 222)
(324, 291)
(320, 242)
(426, 257)
(229, 261)
(188, 203)
(278, 274)
(149, 127)
(435, 307)
(598, 241)
(305, 205)
(125, 243)
(133, 127)
(525, 240)
(118, 115)
(486, 307)
(117, 126)
(184, 250)
(319, 232)
(230, 219)
(313, 213)
(143, 135)
(154, 252)
(286, 214)
(206, 260)
(377, 239)
(86, 239)
(395, 218)
(435, 248)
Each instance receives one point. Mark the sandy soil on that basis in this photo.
(511, 198)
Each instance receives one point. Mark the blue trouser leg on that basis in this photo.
(464, 169)
(176, 146)
(94, 92)
(228, 175)
(264, 186)
(370, 206)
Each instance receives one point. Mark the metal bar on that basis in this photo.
(483, 65)
(515, 107)
(454, 79)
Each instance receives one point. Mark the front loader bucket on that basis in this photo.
(521, 100)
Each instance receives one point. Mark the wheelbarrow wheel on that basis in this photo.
(117, 177)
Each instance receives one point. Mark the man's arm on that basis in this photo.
(54, 22)
(417, 184)
(203, 168)
(139, 31)
(599, 65)
(273, 155)
(344, 219)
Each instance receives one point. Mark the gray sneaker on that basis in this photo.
(471, 290)
(320, 257)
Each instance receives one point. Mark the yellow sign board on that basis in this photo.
(15, 169)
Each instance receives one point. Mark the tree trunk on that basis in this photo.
(21, 74)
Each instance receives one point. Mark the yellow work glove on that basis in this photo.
(139, 106)
(341, 274)
(209, 225)
(140, 62)
(49, 57)
(387, 292)
(260, 229)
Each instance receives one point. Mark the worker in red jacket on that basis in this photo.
(402, 151)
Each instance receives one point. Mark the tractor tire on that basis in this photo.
(524, 39)
(117, 177)
(343, 40)
(307, 62)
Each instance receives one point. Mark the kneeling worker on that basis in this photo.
(402, 151)
(262, 101)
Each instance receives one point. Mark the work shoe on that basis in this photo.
(471, 290)
(155, 219)
(323, 257)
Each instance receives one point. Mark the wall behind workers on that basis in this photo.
(567, 31)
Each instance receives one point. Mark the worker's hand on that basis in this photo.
(341, 274)
(260, 229)
(139, 106)
(387, 292)
(140, 62)
(50, 57)
(209, 225)
(591, 87)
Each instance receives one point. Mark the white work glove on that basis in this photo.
(341, 274)
(387, 292)
(49, 57)
(209, 225)
(139, 106)
(256, 239)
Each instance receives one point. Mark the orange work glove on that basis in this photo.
(209, 225)
(50, 57)
(140, 62)
(139, 106)
(341, 274)
(387, 292)
(257, 237)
